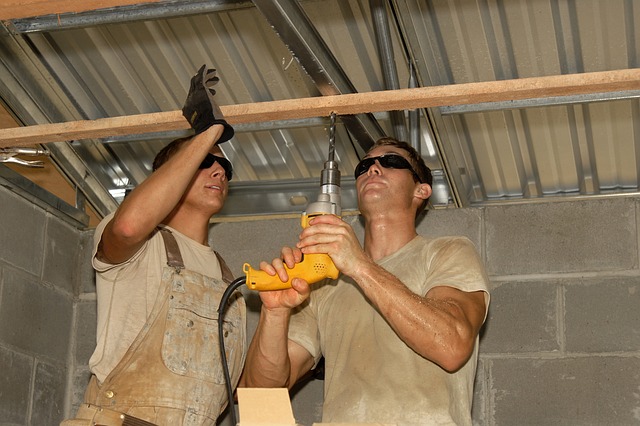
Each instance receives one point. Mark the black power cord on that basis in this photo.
(235, 284)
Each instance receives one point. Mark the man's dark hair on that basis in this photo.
(167, 152)
(421, 169)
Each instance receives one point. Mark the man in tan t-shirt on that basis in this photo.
(399, 328)
(159, 284)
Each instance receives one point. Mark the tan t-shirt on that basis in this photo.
(371, 376)
(127, 292)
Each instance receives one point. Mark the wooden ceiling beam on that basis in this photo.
(18, 9)
(357, 103)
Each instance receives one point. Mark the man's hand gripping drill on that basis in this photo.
(313, 268)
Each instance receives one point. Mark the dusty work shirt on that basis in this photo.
(371, 375)
(126, 293)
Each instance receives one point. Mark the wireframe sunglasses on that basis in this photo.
(388, 161)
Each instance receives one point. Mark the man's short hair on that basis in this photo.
(167, 152)
(421, 169)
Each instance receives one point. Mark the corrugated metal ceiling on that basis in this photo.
(139, 59)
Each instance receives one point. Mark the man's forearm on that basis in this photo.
(268, 363)
(158, 195)
(441, 327)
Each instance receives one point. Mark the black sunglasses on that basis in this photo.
(226, 164)
(388, 161)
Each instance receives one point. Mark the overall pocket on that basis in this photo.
(191, 344)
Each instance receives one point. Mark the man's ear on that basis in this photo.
(423, 191)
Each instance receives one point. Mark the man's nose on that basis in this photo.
(375, 168)
(217, 170)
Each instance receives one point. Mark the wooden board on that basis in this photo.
(16, 9)
(356, 103)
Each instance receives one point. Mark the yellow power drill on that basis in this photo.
(314, 267)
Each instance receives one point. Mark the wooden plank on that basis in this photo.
(388, 100)
(17, 9)
(88, 129)
(438, 96)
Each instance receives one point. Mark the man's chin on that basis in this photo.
(370, 198)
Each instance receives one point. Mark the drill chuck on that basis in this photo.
(330, 174)
(328, 201)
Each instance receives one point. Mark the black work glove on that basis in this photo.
(200, 110)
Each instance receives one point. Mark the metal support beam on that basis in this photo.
(387, 61)
(296, 31)
(125, 13)
(541, 102)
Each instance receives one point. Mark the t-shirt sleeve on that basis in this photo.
(303, 325)
(456, 263)
(99, 265)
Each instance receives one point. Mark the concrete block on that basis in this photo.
(523, 317)
(252, 242)
(61, 248)
(15, 382)
(34, 318)
(479, 395)
(466, 222)
(597, 235)
(48, 395)
(603, 315)
(86, 274)
(79, 384)
(571, 391)
(85, 331)
(22, 230)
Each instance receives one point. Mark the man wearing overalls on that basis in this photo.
(159, 284)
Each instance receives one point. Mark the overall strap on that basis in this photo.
(174, 258)
(227, 275)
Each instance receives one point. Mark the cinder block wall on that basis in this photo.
(561, 344)
(39, 284)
